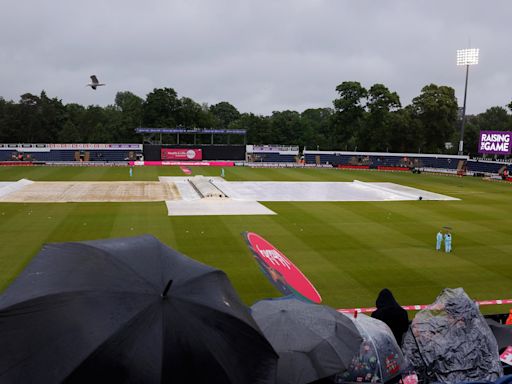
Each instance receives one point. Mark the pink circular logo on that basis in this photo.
(191, 154)
(281, 272)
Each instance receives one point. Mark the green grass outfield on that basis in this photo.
(348, 250)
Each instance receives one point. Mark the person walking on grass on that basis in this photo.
(448, 242)
(439, 240)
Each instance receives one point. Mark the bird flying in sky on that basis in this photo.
(94, 82)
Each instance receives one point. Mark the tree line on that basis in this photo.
(360, 119)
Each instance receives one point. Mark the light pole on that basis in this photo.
(465, 57)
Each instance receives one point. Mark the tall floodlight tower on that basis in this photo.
(465, 57)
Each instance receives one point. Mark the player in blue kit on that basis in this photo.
(448, 242)
(439, 240)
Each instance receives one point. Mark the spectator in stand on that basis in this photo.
(391, 313)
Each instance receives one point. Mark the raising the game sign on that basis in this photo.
(495, 142)
(183, 154)
(279, 270)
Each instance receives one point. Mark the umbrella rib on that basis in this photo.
(193, 279)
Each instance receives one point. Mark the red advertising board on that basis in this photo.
(280, 271)
(16, 163)
(183, 154)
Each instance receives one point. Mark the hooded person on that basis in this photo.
(391, 313)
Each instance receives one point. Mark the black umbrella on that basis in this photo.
(313, 341)
(127, 311)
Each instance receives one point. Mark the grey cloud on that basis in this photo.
(259, 55)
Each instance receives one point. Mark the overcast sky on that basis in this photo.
(260, 55)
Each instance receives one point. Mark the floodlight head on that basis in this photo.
(467, 56)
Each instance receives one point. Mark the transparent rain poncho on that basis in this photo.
(450, 342)
(380, 358)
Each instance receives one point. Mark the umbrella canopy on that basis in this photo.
(313, 341)
(127, 310)
(380, 359)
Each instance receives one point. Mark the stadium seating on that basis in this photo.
(5, 155)
(273, 157)
(69, 155)
(388, 160)
(486, 166)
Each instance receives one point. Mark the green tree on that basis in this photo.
(100, 134)
(161, 108)
(317, 128)
(206, 118)
(9, 126)
(258, 128)
(436, 109)
(225, 113)
(92, 118)
(37, 118)
(52, 115)
(69, 133)
(493, 119)
(405, 131)
(190, 113)
(285, 127)
(350, 113)
(27, 117)
(130, 106)
(376, 133)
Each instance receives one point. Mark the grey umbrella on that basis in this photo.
(313, 341)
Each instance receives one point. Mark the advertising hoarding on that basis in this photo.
(495, 142)
(279, 270)
(183, 154)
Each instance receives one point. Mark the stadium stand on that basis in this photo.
(483, 166)
(378, 159)
(70, 152)
(272, 153)
(257, 154)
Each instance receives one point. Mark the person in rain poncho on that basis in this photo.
(391, 313)
(450, 342)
